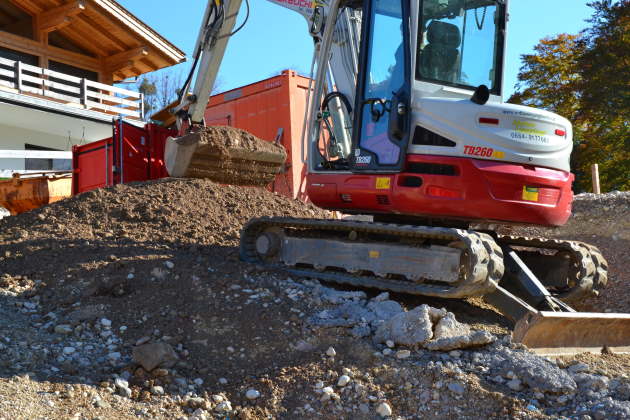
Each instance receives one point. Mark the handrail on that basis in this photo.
(72, 90)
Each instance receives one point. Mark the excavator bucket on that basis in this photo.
(225, 155)
(567, 333)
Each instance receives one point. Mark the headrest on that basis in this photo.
(444, 33)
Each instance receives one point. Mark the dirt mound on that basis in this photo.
(604, 221)
(86, 281)
(174, 211)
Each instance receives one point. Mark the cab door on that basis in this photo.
(381, 135)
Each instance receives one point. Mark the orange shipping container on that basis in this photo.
(273, 110)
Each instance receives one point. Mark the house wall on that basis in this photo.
(13, 138)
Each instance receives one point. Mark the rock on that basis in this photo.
(157, 390)
(457, 388)
(121, 383)
(538, 373)
(403, 354)
(153, 355)
(390, 344)
(474, 339)
(106, 322)
(143, 340)
(384, 410)
(225, 406)
(515, 385)
(197, 402)
(64, 329)
(169, 264)
(69, 350)
(331, 352)
(252, 394)
(223, 381)
(578, 368)
(410, 328)
(198, 381)
(385, 310)
(382, 297)
(343, 380)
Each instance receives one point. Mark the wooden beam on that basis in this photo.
(27, 6)
(126, 58)
(58, 17)
(29, 46)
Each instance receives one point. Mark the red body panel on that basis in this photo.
(473, 190)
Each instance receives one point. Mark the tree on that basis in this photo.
(160, 89)
(585, 78)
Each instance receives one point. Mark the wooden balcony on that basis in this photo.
(22, 78)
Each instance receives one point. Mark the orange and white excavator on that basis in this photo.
(406, 123)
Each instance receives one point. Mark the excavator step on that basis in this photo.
(224, 155)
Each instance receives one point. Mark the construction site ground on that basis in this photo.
(87, 282)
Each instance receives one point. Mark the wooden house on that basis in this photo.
(59, 61)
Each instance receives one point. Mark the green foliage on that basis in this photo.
(586, 78)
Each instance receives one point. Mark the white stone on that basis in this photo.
(223, 407)
(157, 390)
(252, 394)
(328, 390)
(387, 352)
(319, 385)
(218, 399)
(121, 383)
(223, 381)
(106, 323)
(515, 385)
(403, 354)
(63, 329)
(390, 344)
(68, 350)
(169, 265)
(198, 381)
(384, 410)
(331, 352)
(343, 380)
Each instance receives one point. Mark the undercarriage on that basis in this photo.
(529, 280)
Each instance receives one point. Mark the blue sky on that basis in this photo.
(276, 38)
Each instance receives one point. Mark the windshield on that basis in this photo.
(461, 43)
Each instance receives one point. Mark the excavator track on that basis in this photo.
(572, 271)
(479, 258)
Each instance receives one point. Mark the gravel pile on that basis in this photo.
(602, 220)
(131, 303)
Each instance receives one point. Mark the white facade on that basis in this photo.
(40, 123)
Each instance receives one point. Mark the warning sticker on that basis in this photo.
(383, 183)
(530, 193)
(375, 254)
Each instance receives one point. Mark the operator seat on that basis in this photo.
(439, 58)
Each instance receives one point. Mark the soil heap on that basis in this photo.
(86, 284)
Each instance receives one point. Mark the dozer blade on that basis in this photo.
(225, 155)
(567, 333)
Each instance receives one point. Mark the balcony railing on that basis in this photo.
(71, 90)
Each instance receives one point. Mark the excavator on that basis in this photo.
(406, 123)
